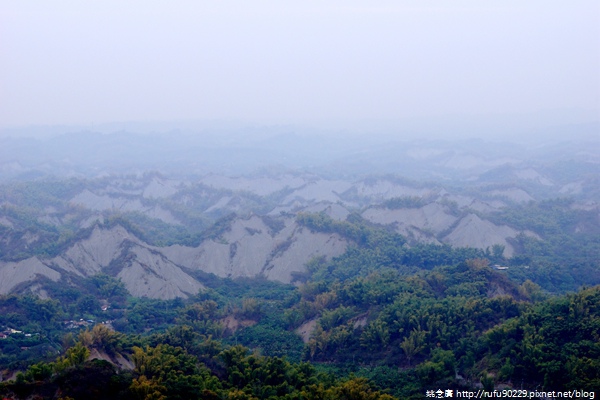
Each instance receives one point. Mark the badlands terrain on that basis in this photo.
(161, 220)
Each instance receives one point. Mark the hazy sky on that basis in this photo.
(83, 62)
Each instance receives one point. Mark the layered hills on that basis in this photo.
(395, 267)
(228, 204)
(159, 234)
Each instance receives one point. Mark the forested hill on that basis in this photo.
(369, 335)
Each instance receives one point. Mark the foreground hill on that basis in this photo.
(375, 332)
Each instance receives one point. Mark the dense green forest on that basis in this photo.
(384, 320)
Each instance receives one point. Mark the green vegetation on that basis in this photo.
(405, 202)
(389, 320)
(565, 254)
(383, 333)
(382, 320)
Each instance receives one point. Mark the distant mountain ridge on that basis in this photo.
(348, 156)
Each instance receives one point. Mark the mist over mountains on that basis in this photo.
(356, 251)
(251, 149)
(299, 200)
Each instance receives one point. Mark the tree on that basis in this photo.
(88, 304)
(356, 389)
(498, 253)
(74, 357)
(376, 335)
(143, 388)
(413, 344)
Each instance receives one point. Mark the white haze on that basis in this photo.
(489, 67)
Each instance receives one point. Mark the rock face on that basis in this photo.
(249, 248)
(122, 203)
(13, 274)
(432, 218)
(93, 254)
(435, 223)
(385, 189)
(474, 232)
(148, 273)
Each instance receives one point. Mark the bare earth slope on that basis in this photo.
(248, 249)
(13, 274)
(435, 223)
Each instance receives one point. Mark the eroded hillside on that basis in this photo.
(154, 232)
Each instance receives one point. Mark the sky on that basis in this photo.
(281, 62)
